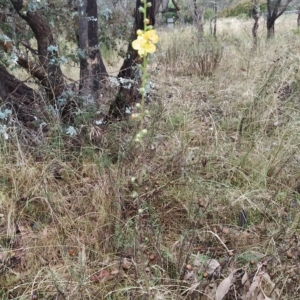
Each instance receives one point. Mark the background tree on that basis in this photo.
(255, 16)
(92, 68)
(198, 16)
(47, 51)
(275, 10)
(48, 22)
(214, 31)
(128, 72)
(44, 67)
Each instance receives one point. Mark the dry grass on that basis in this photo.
(218, 144)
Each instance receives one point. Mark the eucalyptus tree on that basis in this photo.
(92, 68)
(255, 16)
(77, 21)
(128, 73)
(198, 16)
(275, 8)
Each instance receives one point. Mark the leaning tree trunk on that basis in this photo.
(47, 50)
(92, 68)
(23, 60)
(127, 96)
(19, 97)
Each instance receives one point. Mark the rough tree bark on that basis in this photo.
(198, 17)
(127, 96)
(54, 81)
(48, 71)
(18, 96)
(275, 10)
(255, 16)
(162, 5)
(92, 68)
(215, 19)
(23, 61)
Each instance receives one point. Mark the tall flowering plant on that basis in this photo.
(144, 44)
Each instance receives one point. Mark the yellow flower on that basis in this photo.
(145, 42)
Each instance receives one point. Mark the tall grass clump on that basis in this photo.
(195, 196)
(188, 53)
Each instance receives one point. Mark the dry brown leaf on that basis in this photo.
(197, 262)
(260, 296)
(246, 282)
(105, 262)
(244, 278)
(225, 230)
(114, 272)
(95, 278)
(126, 264)
(224, 287)
(212, 266)
(210, 290)
(188, 275)
(103, 274)
(268, 278)
(193, 287)
(255, 287)
(45, 231)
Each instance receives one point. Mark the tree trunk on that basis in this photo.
(18, 96)
(23, 61)
(47, 50)
(92, 68)
(254, 31)
(255, 15)
(127, 96)
(131, 57)
(198, 18)
(274, 13)
(215, 19)
(298, 18)
(163, 5)
(270, 28)
(157, 6)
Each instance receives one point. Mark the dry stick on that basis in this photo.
(209, 231)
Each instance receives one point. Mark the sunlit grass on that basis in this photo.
(217, 145)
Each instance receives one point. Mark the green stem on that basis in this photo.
(143, 84)
(144, 70)
(144, 79)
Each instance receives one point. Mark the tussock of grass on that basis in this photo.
(217, 145)
(187, 53)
